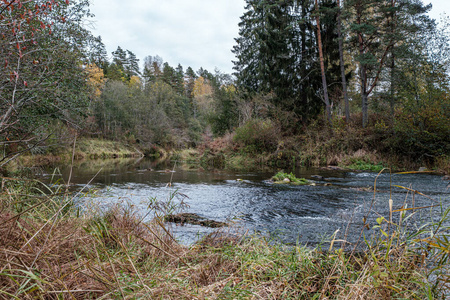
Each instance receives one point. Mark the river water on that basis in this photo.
(289, 214)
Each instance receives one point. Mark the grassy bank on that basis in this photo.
(49, 250)
(100, 148)
(85, 148)
(345, 145)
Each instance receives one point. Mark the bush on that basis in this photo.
(258, 136)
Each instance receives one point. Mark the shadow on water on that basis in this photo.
(289, 214)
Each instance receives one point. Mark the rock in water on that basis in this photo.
(318, 177)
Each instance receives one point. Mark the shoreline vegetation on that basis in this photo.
(225, 153)
(51, 250)
(64, 98)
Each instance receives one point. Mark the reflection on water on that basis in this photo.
(290, 214)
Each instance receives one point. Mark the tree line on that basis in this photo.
(296, 61)
(380, 54)
(162, 105)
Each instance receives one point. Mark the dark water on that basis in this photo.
(290, 214)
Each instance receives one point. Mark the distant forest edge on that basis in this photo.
(326, 82)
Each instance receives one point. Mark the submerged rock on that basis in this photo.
(318, 177)
(193, 219)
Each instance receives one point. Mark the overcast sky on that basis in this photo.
(196, 33)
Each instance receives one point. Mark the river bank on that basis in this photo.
(342, 145)
(51, 250)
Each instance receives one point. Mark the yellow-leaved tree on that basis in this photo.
(203, 96)
(96, 80)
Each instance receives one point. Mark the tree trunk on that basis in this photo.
(392, 93)
(364, 96)
(341, 60)
(392, 86)
(322, 66)
(304, 95)
(362, 69)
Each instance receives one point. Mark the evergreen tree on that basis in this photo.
(132, 65)
(169, 75)
(380, 30)
(190, 78)
(120, 57)
(98, 54)
(179, 80)
(277, 53)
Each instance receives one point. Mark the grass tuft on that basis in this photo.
(290, 178)
(47, 252)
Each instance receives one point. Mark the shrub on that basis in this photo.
(258, 135)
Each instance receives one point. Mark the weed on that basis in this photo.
(49, 251)
(282, 177)
(365, 166)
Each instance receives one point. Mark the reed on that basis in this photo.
(49, 249)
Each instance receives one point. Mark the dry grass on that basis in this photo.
(51, 253)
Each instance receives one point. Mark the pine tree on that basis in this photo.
(120, 57)
(132, 65)
(98, 54)
(179, 80)
(382, 32)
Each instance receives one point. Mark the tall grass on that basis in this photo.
(49, 250)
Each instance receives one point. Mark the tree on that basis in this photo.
(190, 78)
(124, 65)
(322, 65)
(120, 57)
(265, 57)
(377, 29)
(43, 47)
(168, 75)
(97, 52)
(179, 80)
(341, 60)
(277, 54)
(152, 68)
(132, 65)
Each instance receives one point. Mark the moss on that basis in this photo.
(283, 178)
(366, 166)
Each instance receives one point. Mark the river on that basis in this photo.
(307, 214)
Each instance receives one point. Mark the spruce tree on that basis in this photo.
(276, 53)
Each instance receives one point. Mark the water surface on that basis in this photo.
(289, 214)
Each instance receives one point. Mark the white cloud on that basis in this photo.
(196, 33)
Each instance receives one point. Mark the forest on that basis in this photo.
(364, 75)
(328, 86)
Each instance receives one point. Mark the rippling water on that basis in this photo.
(290, 214)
